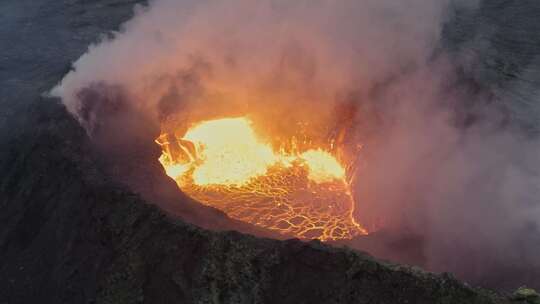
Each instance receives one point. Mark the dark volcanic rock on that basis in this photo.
(91, 242)
(69, 235)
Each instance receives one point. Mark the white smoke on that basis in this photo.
(261, 52)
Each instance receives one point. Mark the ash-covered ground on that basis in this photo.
(70, 233)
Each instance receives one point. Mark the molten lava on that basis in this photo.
(222, 163)
(229, 151)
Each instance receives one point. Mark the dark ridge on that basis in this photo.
(69, 235)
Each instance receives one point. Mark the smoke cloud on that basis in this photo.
(438, 159)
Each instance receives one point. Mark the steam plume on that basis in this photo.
(438, 160)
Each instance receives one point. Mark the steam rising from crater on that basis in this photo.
(369, 73)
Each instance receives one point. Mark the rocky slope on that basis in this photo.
(71, 236)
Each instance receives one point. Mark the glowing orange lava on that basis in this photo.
(222, 163)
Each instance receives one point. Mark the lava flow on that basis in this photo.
(222, 163)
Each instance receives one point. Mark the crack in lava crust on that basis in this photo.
(286, 201)
(303, 195)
